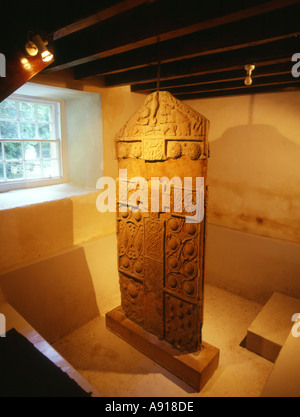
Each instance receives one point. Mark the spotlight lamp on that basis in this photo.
(249, 69)
(36, 45)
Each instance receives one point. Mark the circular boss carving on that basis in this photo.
(190, 269)
(125, 262)
(138, 216)
(137, 150)
(175, 150)
(189, 249)
(138, 267)
(174, 225)
(189, 289)
(173, 244)
(124, 150)
(133, 291)
(193, 151)
(172, 282)
(173, 263)
(191, 229)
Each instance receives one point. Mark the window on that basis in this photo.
(30, 142)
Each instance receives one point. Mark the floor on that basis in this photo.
(115, 369)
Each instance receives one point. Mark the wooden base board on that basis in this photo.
(194, 369)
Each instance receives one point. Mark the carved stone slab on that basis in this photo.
(161, 254)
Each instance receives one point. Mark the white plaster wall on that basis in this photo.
(85, 140)
(254, 174)
(252, 266)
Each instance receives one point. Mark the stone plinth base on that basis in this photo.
(194, 369)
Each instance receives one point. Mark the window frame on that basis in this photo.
(59, 138)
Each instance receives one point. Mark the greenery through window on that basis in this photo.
(30, 146)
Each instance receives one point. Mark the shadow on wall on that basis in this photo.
(254, 182)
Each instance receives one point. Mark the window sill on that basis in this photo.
(27, 197)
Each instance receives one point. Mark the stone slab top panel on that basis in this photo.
(162, 128)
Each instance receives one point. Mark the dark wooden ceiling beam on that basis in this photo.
(241, 91)
(210, 78)
(100, 16)
(161, 21)
(234, 84)
(276, 52)
(253, 32)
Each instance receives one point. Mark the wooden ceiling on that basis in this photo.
(192, 48)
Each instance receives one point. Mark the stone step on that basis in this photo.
(284, 380)
(271, 328)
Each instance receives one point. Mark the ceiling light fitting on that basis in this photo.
(36, 45)
(249, 69)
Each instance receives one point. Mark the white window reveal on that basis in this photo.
(30, 142)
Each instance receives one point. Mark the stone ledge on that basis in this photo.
(13, 199)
